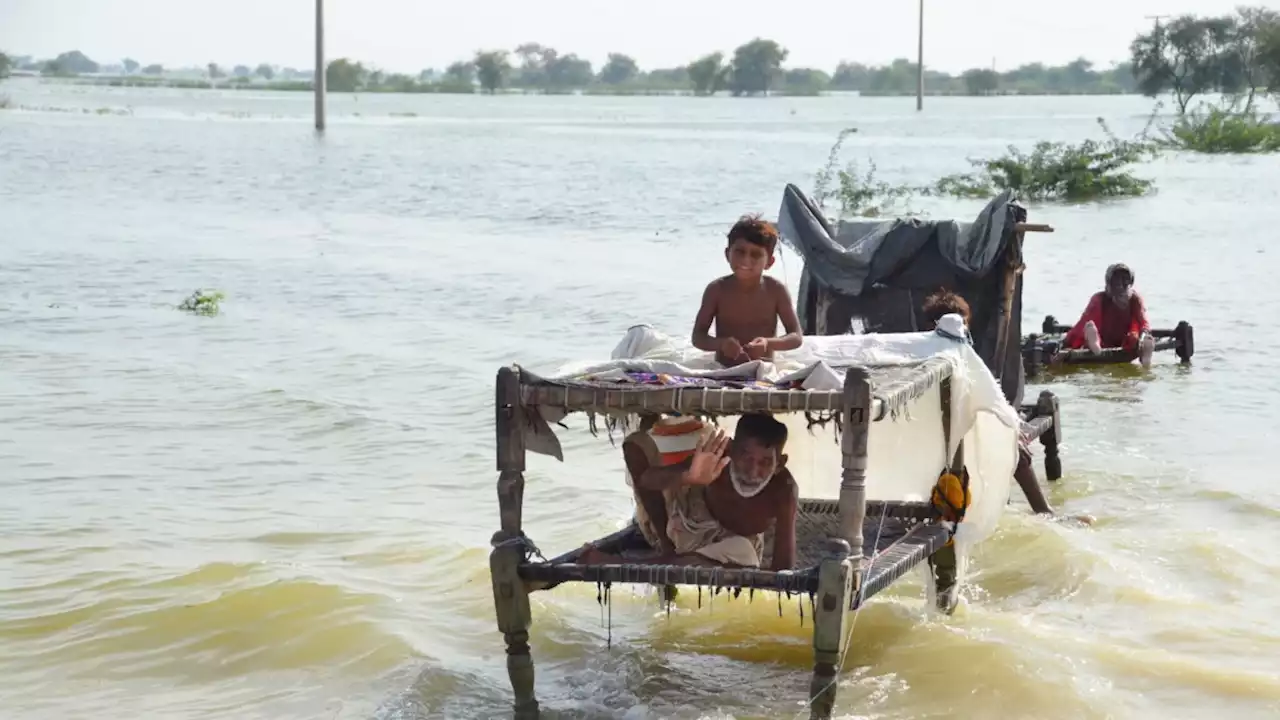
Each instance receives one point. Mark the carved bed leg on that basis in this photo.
(831, 609)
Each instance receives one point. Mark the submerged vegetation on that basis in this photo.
(203, 302)
(1051, 171)
(1089, 170)
(1237, 55)
(853, 193)
(1223, 130)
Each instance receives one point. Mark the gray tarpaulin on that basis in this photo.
(860, 254)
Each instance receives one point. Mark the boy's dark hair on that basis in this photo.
(762, 428)
(755, 230)
(942, 303)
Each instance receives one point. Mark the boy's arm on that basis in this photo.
(790, 323)
(702, 323)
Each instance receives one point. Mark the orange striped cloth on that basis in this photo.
(675, 438)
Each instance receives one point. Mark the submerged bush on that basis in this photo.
(1089, 170)
(1224, 130)
(856, 194)
(202, 302)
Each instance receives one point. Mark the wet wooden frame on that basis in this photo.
(849, 572)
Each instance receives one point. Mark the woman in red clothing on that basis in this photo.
(1116, 317)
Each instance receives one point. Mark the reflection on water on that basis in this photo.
(284, 510)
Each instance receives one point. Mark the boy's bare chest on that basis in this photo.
(753, 307)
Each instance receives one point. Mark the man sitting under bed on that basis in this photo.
(697, 506)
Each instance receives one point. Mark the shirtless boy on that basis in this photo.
(746, 305)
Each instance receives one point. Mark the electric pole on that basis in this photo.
(920, 64)
(319, 78)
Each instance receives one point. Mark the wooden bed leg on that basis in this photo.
(510, 595)
(1047, 406)
(831, 607)
(942, 565)
(853, 481)
(1185, 336)
(514, 617)
(1032, 356)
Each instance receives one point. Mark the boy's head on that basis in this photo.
(752, 241)
(756, 453)
(942, 303)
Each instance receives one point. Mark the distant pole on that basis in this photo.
(319, 81)
(920, 64)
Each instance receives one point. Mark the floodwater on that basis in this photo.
(284, 511)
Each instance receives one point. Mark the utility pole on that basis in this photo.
(920, 64)
(319, 79)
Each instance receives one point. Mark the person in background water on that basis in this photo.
(1115, 317)
(745, 305)
(945, 302)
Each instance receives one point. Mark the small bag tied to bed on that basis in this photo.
(951, 496)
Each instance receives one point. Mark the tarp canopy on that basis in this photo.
(865, 277)
(859, 254)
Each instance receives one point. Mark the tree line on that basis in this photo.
(755, 68)
(1237, 55)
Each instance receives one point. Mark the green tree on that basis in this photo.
(568, 72)
(265, 72)
(1244, 66)
(756, 67)
(460, 75)
(708, 74)
(130, 66)
(899, 77)
(1181, 57)
(214, 71)
(241, 71)
(344, 75)
(850, 76)
(981, 82)
(669, 78)
(153, 69)
(76, 63)
(534, 60)
(492, 69)
(5, 66)
(805, 81)
(619, 69)
(1269, 58)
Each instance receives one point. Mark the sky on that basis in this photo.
(412, 35)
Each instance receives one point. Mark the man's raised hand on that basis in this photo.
(708, 459)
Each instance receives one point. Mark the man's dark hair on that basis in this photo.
(942, 303)
(762, 428)
(755, 230)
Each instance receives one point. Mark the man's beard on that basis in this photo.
(744, 484)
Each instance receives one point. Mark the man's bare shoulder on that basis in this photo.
(783, 484)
